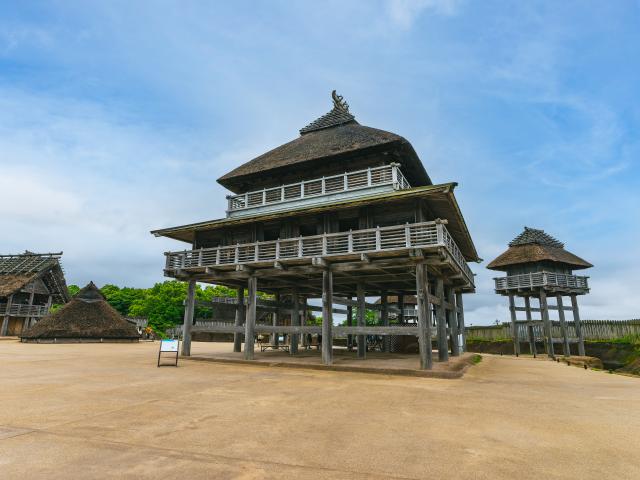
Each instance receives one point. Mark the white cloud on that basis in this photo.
(405, 12)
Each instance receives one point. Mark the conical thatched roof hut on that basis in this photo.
(86, 318)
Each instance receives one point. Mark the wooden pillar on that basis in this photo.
(401, 308)
(566, 348)
(275, 338)
(424, 317)
(532, 336)
(514, 325)
(384, 317)
(237, 336)
(362, 321)
(303, 320)
(578, 324)
(327, 317)
(295, 321)
(453, 323)
(544, 310)
(443, 346)
(188, 318)
(250, 322)
(460, 311)
(349, 324)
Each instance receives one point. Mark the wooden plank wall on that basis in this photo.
(593, 330)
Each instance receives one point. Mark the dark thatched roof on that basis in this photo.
(533, 246)
(86, 316)
(334, 135)
(17, 271)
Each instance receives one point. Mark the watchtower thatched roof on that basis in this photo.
(86, 317)
(18, 271)
(534, 245)
(335, 135)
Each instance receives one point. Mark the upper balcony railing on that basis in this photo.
(18, 310)
(416, 235)
(542, 279)
(345, 182)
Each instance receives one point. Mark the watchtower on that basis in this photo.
(538, 266)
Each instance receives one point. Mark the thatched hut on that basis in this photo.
(86, 318)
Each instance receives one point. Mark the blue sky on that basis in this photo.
(117, 118)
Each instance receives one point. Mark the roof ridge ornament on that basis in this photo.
(339, 102)
(339, 115)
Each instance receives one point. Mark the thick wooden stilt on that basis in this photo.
(250, 322)
(514, 326)
(453, 323)
(532, 336)
(544, 309)
(303, 320)
(275, 337)
(350, 324)
(566, 348)
(424, 317)
(362, 321)
(188, 318)
(237, 337)
(327, 317)
(384, 319)
(443, 347)
(295, 321)
(460, 312)
(401, 308)
(578, 325)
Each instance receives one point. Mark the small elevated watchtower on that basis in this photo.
(538, 266)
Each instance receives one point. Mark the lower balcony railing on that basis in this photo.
(373, 240)
(541, 279)
(18, 310)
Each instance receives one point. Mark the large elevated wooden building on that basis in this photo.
(341, 213)
(29, 284)
(538, 267)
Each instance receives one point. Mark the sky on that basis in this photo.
(116, 118)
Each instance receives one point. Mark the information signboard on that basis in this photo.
(171, 347)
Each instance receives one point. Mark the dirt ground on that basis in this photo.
(106, 411)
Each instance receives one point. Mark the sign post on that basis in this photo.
(168, 346)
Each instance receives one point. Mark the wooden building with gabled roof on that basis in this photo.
(538, 267)
(343, 211)
(29, 284)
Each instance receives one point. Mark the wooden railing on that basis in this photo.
(416, 235)
(541, 279)
(18, 310)
(349, 181)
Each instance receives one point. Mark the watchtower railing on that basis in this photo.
(416, 235)
(541, 279)
(18, 310)
(348, 181)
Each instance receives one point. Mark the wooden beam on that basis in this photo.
(566, 349)
(532, 337)
(188, 319)
(453, 323)
(240, 315)
(578, 324)
(250, 322)
(461, 326)
(443, 347)
(327, 317)
(362, 321)
(295, 322)
(384, 318)
(514, 327)
(547, 324)
(424, 317)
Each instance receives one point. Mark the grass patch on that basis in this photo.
(476, 359)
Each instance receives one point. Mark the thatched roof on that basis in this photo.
(17, 271)
(334, 135)
(534, 245)
(86, 316)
